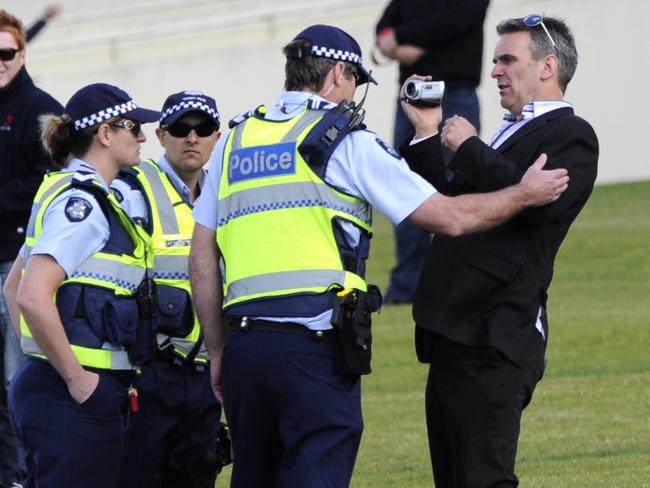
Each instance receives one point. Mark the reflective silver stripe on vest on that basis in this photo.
(171, 267)
(36, 207)
(183, 345)
(119, 359)
(284, 280)
(300, 126)
(305, 120)
(120, 274)
(161, 197)
(288, 195)
(236, 136)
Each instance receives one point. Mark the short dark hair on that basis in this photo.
(307, 71)
(540, 44)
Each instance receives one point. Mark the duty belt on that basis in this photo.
(246, 324)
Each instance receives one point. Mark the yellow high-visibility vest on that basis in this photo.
(171, 228)
(277, 218)
(115, 272)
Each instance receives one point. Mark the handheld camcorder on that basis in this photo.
(424, 93)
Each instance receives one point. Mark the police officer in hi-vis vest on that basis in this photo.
(172, 441)
(287, 210)
(83, 262)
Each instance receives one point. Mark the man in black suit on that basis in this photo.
(480, 305)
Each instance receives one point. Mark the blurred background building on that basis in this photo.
(231, 49)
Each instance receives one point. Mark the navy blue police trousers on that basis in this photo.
(68, 445)
(171, 442)
(295, 422)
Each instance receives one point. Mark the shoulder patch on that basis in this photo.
(389, 149)
(77, 209)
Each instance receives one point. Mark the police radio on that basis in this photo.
(317, 147)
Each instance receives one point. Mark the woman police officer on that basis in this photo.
(68, 399)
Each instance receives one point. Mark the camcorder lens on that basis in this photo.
(411, 89)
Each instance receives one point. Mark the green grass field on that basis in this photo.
(588, 425)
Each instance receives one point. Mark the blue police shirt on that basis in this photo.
(74, 225)
(362, 165)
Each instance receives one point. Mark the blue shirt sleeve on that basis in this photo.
(365, 166)
(205, 208)
(70, 241)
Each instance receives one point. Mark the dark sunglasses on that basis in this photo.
(534, 20)
(8, 54)
(181, 129)
(131, 125)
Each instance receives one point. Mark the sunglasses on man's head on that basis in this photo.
(534, 20)
(131, 125)
(8, 54)
(181, 129)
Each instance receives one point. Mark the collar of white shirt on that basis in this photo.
(291, 103)
(511, 124)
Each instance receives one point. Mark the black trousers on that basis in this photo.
(474, 400)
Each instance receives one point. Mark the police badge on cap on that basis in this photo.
(77, 209)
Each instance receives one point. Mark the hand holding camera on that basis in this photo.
(424, 93)
(421, 99)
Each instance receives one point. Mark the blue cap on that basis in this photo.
(331, 42)
(187, 101)
(93, 104)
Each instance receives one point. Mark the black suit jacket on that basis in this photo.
(487, 288)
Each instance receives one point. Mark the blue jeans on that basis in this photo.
(411, 242)
(12, 454)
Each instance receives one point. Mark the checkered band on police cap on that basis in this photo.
(186, 101)
(338, 54)
(105, 114)
(96, 103)
(331, 42)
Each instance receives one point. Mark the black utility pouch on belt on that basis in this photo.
(351, 320)
(173, 311)
(141, 351)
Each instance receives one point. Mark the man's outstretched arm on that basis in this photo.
(465, 214)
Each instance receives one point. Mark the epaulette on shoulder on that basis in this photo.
(130, 177)
(256, 112)
(315, 104)
(83, 178)
(88, 181)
